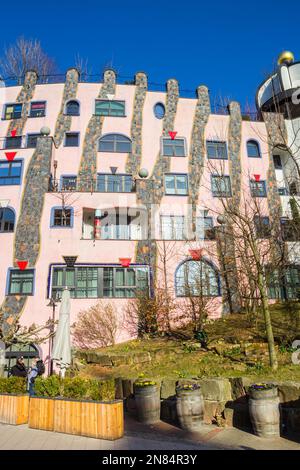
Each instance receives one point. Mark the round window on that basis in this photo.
(159, 110)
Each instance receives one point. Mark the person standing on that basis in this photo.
(19, 369)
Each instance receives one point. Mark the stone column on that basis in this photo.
(63, 122)
(87, 174)
(27, 235)
(135, 157)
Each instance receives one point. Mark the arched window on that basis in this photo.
(15, 350)
(253, 149)
(72, 108)
(7, 220)
(197, 278)
(117, 143)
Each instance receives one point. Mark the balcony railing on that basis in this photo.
(112, 184)
(123, 184)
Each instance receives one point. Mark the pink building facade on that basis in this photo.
(92, 173)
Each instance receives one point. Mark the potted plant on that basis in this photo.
(147, 399)
(86, 407)
(14, 400)
(190, 406)
(264, 409)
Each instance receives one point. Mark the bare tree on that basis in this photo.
(258, 255)
(95, 327)
(82, 65)
(26, 335)
(25, 55)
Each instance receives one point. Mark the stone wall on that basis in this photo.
(24, 97)
(63, 122)
(27, 234)
(87, 174)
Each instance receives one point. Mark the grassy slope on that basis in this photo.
(179, 358)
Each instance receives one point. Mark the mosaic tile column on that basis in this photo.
(277, 135)
(224, 234)
(87, 174)
(151, 191)
(63, 122)
(134, 158)
(197, 149)
(27, 236)
(24, 97)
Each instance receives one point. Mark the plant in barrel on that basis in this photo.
(264, 409)
(147, 399)
(190, 406)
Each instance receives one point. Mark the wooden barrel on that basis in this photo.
(190, 409)
(264, 412)
(147, 399)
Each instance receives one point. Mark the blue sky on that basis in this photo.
(227, 45)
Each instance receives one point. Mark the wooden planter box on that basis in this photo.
(102, 420)
(41, 413)
(14, 408)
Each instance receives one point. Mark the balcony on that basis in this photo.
(105, 183)
(115, 223)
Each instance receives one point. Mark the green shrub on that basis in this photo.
(48, 386)
(76, 387)
(101, 390)
(15, 385)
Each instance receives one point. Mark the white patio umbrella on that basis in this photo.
(61, 352)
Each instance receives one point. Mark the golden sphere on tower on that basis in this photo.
(285, 57)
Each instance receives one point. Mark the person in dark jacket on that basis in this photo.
(19, 369)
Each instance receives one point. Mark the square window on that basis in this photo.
(72, 139)
(176, 184)
(173, 147)
(13, 111)
(13, 142)
(262, 227)
(216, 150)
(32, 140)
(172, 227)
(114, 183)
(68, 183)
(21, 282)
(62, 217)
(109, 108)
(221, 186)
(10, 173)
(258, 188)
(38, 109)
(205, 228)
